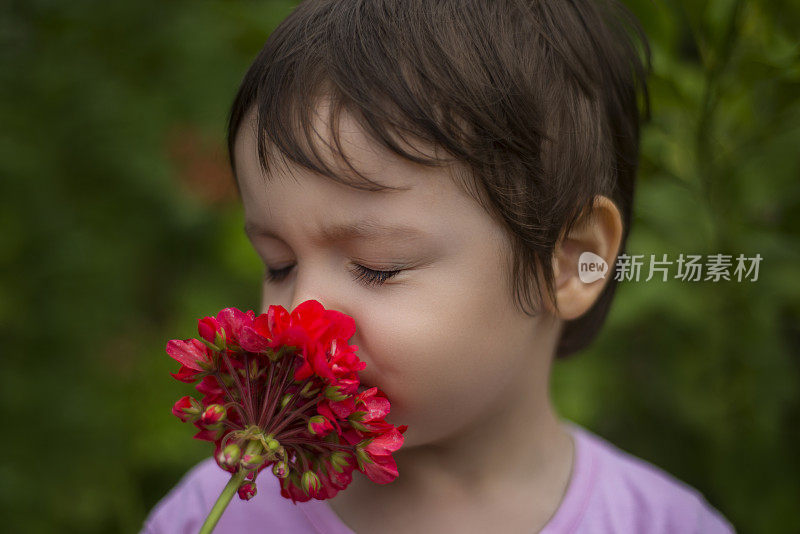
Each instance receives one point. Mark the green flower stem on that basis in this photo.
(222, 501)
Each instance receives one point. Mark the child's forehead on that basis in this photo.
(411, 192)
(391, 173)
(426, 202)
(339, 144)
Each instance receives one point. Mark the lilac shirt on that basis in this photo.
(610, 491)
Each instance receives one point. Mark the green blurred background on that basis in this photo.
(120, 227)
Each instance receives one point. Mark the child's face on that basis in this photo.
(442, 337)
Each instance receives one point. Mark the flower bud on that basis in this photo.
(319, 425)
(252, 457)
(273, 445)
(213, 414)
(286, 398)
(208, 327)
(247, 490)
(310, 483)
(229, 456)
(280, 469)
(251, 461)
(187, 409)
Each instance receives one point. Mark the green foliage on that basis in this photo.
(120, 227)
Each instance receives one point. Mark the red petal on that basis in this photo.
(207, 435)
(310, 315)
(209, 386)
(320, 363)
(189, 352)
(185, 374)
(251, 340)
(278, 320)
(377, 405)
(382, 471)
(261, 325)
(385, 443)
(342, 326)
(343, 408)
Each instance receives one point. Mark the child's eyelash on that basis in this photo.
(371, 277)
(363, 274)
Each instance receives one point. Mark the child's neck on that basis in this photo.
(515, 465)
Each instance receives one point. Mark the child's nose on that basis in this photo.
(312, 281)
(314, 286)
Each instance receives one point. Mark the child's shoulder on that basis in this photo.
(615, 491)
(186, 506)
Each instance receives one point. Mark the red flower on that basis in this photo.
(187, 409)
(232, 321)
(281, 389)
(336, 476)
(376, 404)
(375, 458)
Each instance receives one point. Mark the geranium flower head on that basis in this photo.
(282, 390)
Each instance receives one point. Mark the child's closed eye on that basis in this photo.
(363, 274)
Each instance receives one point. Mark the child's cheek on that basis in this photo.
(436, 382)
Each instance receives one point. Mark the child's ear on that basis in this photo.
(601, 235)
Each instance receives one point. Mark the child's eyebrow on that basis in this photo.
(364, 229)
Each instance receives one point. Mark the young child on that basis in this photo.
(434, 169)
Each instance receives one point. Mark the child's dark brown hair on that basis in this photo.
(537, 99)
